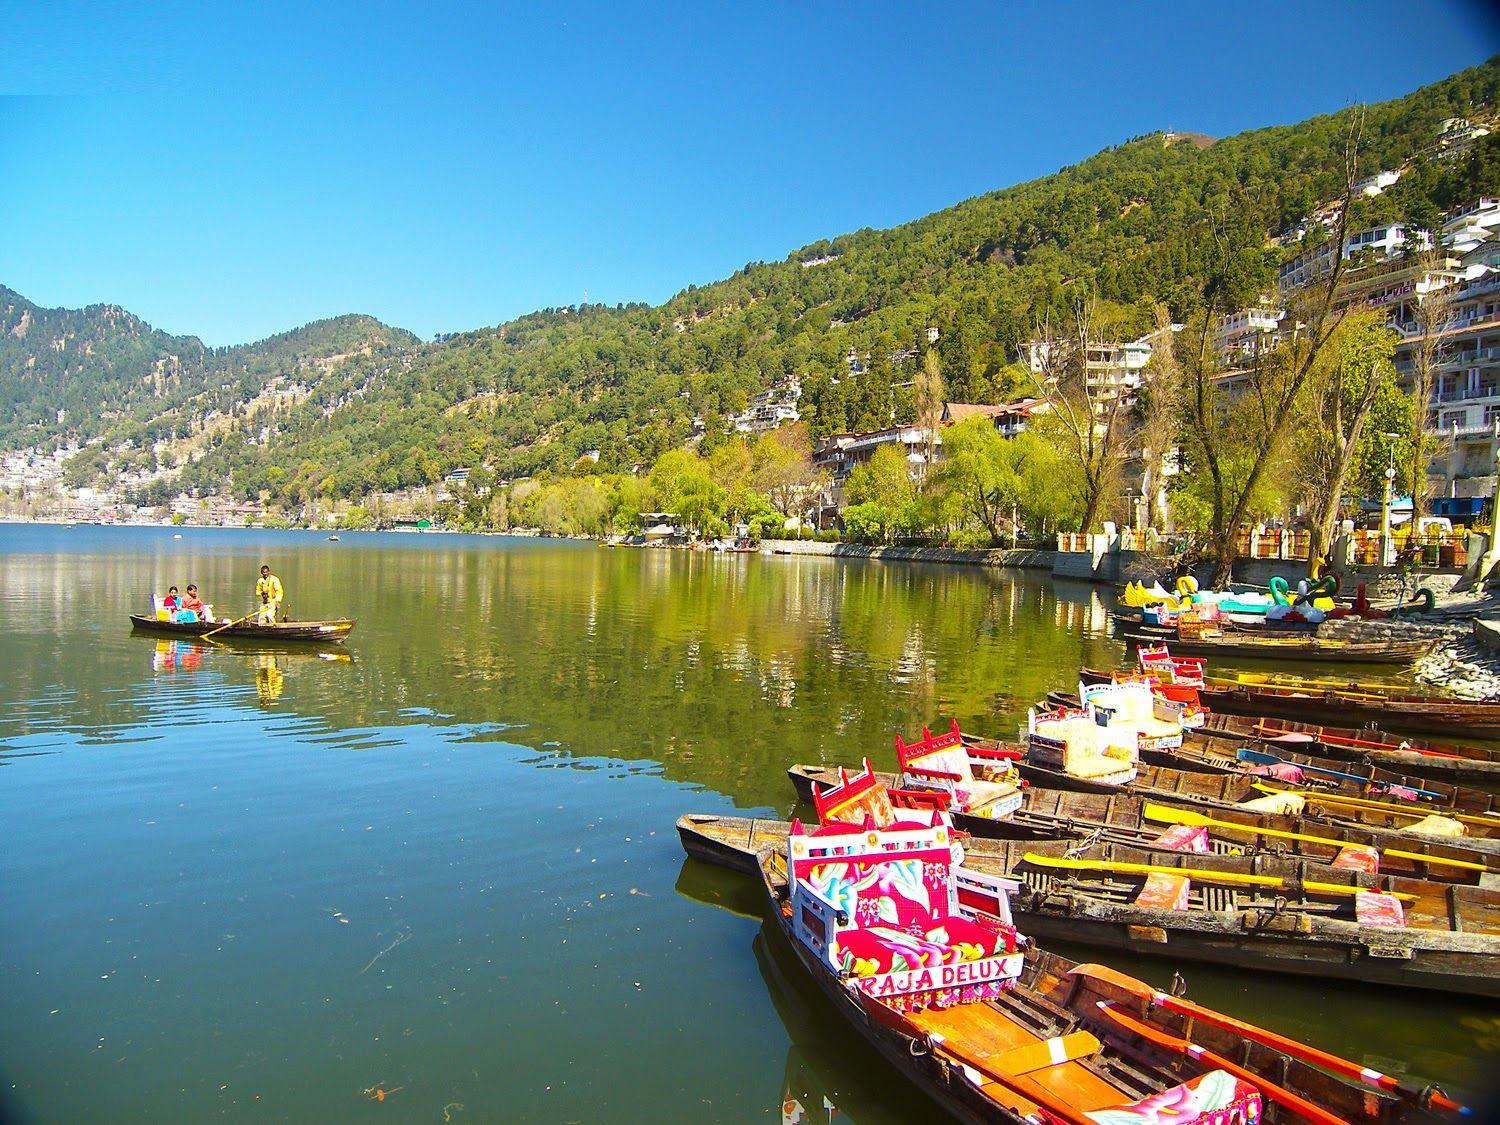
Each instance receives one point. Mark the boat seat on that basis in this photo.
(1045, 1053)
(1217, 1096)
(1084, 757)
(942, 762)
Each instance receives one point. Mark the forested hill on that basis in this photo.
(77, 374)
(1139, 223)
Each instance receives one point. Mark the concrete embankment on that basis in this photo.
(1029, 560)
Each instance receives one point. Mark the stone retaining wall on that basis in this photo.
(1030, 560)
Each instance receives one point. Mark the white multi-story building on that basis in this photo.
(1241, 333)
(840, 453)
(1470, 226)
(1380, 242)
(1457, 134)
(1112, 368)
(770, 408)
(1372, 186)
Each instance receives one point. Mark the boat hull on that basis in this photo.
(1288, 648)
(317, 632)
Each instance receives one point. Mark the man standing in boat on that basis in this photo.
(268, 589)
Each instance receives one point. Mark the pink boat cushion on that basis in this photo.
(950, 759)
(1281, 771)
(1373, 908)
(1358, 857)
(973, 796)
(884, 949)
(1215, 1098)
(1164, 892)
(906, 894)
(1184, 838)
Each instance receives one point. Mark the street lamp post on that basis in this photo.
(1385, 517)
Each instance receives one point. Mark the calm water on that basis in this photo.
(253, 884)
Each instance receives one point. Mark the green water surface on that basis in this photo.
(252, 883)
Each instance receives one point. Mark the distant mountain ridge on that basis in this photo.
(76, 375)
(1136, 224)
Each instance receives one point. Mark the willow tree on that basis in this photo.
(1159, 411)
(1087, 416)
(1351, 375)
(1432, 313)
(1237, 424)
(928, 391)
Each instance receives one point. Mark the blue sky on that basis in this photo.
(449, 166)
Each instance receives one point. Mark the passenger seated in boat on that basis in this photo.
(942, 762)
(881, 908)
(173, 601)
(191, 608)
(1073, 742)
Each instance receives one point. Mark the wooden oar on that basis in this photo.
(1163, 815)
(1313, 1055)
(1278, 1094)
(228, 624)
(1200, 875)
(1483, 819)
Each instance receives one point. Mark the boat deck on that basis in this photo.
(974, 1035)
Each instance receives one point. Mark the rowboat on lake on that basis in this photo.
(1395, 710)
(1249, 758)
(1261, 912)
(316, 631)
(1260, 646)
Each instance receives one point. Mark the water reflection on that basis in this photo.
(507, 738)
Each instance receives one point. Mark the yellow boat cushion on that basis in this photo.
(1435, 825)
(1282, 804)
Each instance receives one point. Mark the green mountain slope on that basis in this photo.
(73, 375)
(1133, 225)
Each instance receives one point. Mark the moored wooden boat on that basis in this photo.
(1352, 778)
(1448, 761)
(1449, 940)
(1233, 624)
(1368, 760)
(323, 631)
(1141, 817)
(1388, 710)
(1320, 649)
(1232, 717)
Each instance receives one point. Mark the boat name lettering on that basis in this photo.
(961, 975)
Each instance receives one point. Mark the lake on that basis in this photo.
(434, 877)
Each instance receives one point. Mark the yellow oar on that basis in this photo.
(228, 624)
(1163, 815)
(1200, 874)
(1279, 679)
(1417, 813)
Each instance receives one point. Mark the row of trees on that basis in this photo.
(1143, 224)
